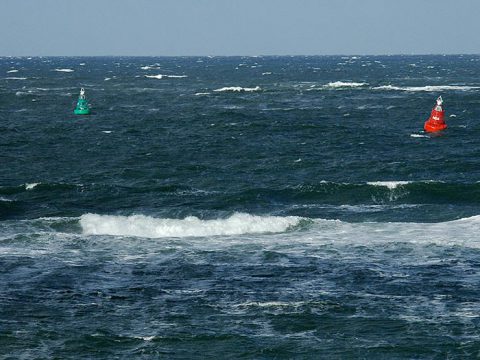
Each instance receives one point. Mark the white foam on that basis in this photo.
(428, 88)
(107, 131)
(202, 93)
(418, 136)
(462, 232)
(161, 76)
(12, 71)
(15, 78)
(341, 84)
(389, 184)
(149, 67)
(238, 89)
(64, 70)
(31, 186)
(150, 227)
(144, 338)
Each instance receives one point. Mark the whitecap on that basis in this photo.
(64, 70)
(341, 84)
(428, 88)
(150, 227)
(161, 76)
(238, 89)
(15, 78)
(389, 184)
(31, 186)
(144, 338)
(12, 71)
(418, 136)
(202, 93)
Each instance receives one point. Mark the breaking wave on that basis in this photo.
(64, 70)
(191, 226)
(389, 184)
(238, 89)
(428, 88)
(162, 76)
(341, 84)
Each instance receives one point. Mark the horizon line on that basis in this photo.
(259, 55)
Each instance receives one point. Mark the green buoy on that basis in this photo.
(82, 104)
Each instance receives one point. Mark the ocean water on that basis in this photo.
(239, 207)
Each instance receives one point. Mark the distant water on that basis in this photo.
(240, 207)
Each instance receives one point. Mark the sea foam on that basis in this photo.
(64, 70)
(428, 88)
(31, 186)
(341, 84)
(238, 89)
(162, 76)
(150, 227)
(389, 184)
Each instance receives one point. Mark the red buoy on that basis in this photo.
(436, 121)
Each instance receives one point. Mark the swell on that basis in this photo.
(420, 192)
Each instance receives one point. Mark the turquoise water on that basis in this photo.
(239, 207)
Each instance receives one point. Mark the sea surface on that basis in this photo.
(239, 208)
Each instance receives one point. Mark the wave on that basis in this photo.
(238, 89)
(341, 84)
(459, 232)
(389, 184)
(46, 187)
(429, 88)
(31, 186)
(12, 71)
(161, 76)
(150, 67)
(64, 70)
(150, 227)
(15, 78)
(368, 193)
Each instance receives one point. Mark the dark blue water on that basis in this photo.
(240, 207)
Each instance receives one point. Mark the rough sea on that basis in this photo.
(239, 208)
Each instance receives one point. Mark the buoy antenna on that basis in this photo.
(439, 101)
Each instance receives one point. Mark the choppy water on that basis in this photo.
(258, 207)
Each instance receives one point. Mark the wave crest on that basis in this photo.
(161, 76)
(428, 88)
(238, 89)
(191, 226)
(341, 84)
